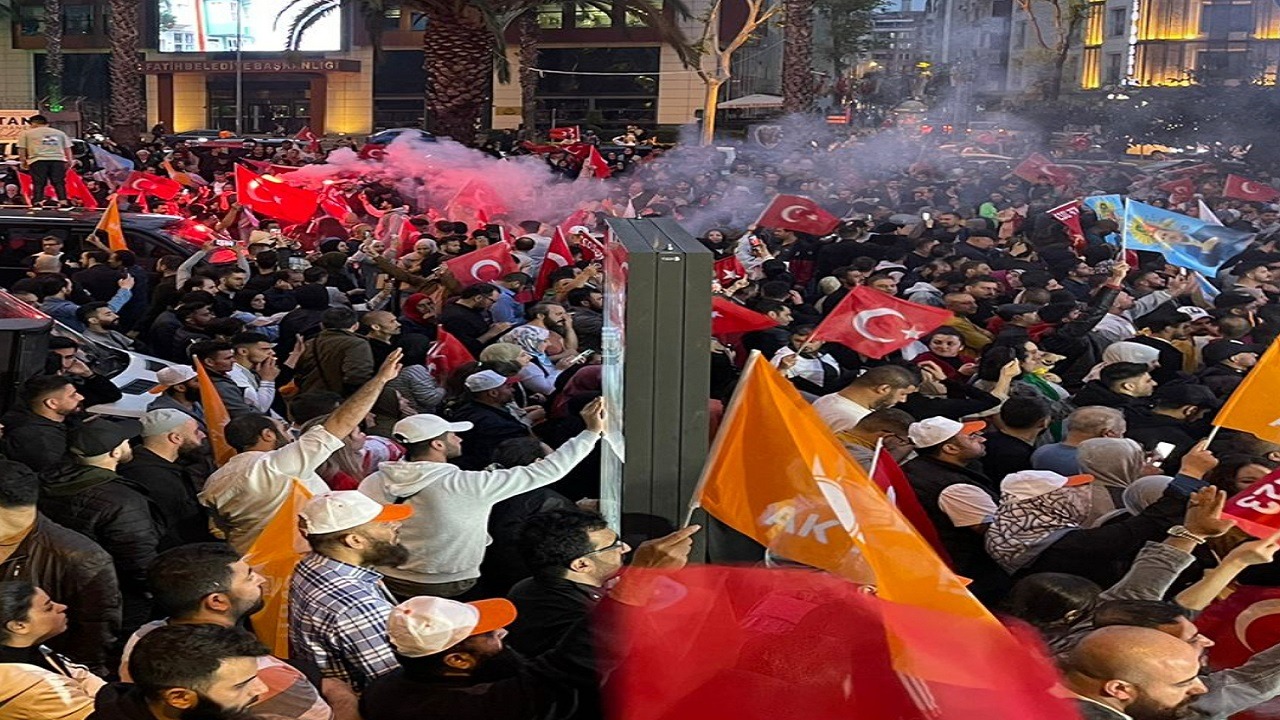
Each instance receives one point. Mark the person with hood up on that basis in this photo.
(1124, 351)
(446, 535)
(303, 320)
(1039, 526)
(1115, 464)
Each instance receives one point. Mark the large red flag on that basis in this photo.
(335, 204)
(446, 354)
(876, 324)
(477, 197)
(1242, 188)
(483, 265)
(140, 183)
(749, 643)
(594, 165)
(1242, 625)
(1068, 213)
(729, 270)
(558, 256)
(305, 135)
(730, 318)
(799, 213)
(893, 481)
(273, 198)
(76, 190)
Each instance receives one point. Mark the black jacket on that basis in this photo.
(77, 572)
(120, 701)
(1221, 379)
(105, 508)
(33, 440)
(1151, 429)
(552, 686)
(1095, 393)
(547, 608)
(492, 426)
(100, 281)
(173, 488)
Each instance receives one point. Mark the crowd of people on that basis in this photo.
(1054, 431)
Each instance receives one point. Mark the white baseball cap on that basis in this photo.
(426, 625)
(172, 375)
(344, 509)
(1029, 484)
(1193, 312)
(417, 428)
(937, 430)
(487, 380)
(163, 420)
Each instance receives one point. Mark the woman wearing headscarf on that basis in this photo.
(1125, 351)
(417, 316)
(531, 376)
(415, 383)
(533, 340)
(1115, 463)
(1039, 526)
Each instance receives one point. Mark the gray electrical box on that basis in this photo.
(657, 360)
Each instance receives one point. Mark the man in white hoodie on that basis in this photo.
(447, 534)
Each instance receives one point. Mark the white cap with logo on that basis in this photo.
(426, 625)
(344, 509)
(936, 430)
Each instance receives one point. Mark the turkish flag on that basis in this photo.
(446, 354)
(729, 270)
(1068, 214)
(889, 476)
(1180, 190)
(799, 213)
(1256, 509)
(478, 197)
(1037, 167)
(594, 165)
(876, 324)
(140, 183)
(305, 135)
(730, 318)
(1242, 625)
(563, 134)
(335, 204)
(76, 190)
(558, 256)
(483, 265)
(274, 198)
(1243, 188)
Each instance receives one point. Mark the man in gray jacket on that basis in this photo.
(446, 536)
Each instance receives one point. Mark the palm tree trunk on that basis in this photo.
(458, 60)
(53, 63)
(529, 32)
(128, 106)
(797, 56)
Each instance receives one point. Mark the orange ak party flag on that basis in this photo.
(274, 555)
(1252, 407)
(110, 224)
(778, 475)
(215, 415)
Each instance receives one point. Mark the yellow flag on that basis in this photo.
(1253, 407)
(110, 224)
(215, 415)
(778, 475)
(274, 555)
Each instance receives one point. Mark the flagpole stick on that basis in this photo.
(754, 359)
(875, 457)
(1212, 434)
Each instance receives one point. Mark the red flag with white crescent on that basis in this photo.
(274, 198)
(876, 324)
(446, 354)
(729, 270)
(799, 213)
(558, 256)
(484, 265)
(1180, 190)
(1245, 623)
(140, 183)
(1242, 188)
(730, 318)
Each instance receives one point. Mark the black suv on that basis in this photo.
(149, 237)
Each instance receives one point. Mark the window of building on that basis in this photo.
(391, 18)
(590, 16)
(418, 22)
(77, 19)
(1219, 19)
(1020, 35)
(31, 20)
(398, 88)
(551, 17)
(1115, 63)
(1222, 64)
(1117, 22)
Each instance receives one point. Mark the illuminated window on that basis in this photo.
(591, 16)
(551, 17)
(391, 18)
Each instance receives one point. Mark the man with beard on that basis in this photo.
(552, 316)
(453, 663)
(245, 493)
(36, 430)
(1133, 673)
(162, 468)
(209, 584)
(878, 388)
(178, 388)
(338, 606)
(100, 323)
(447, 535)
(187, 672)
(813, 371)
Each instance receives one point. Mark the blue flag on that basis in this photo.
(116, 167)
(1106, 207)
(1183, 240)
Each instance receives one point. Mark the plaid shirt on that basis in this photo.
(338, 620)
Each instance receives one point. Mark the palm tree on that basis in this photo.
(53, 63)
(797, 56)
(128, 103)
(462, 42)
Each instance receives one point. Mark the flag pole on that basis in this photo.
(1212, 434)
(875, 458)
(1124, 230)
(753, 360)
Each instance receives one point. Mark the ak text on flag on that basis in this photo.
(876, 324)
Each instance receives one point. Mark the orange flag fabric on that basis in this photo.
(274, 555)
(215, 415)
(778, 475)
(110, 224)
(1252, 407)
